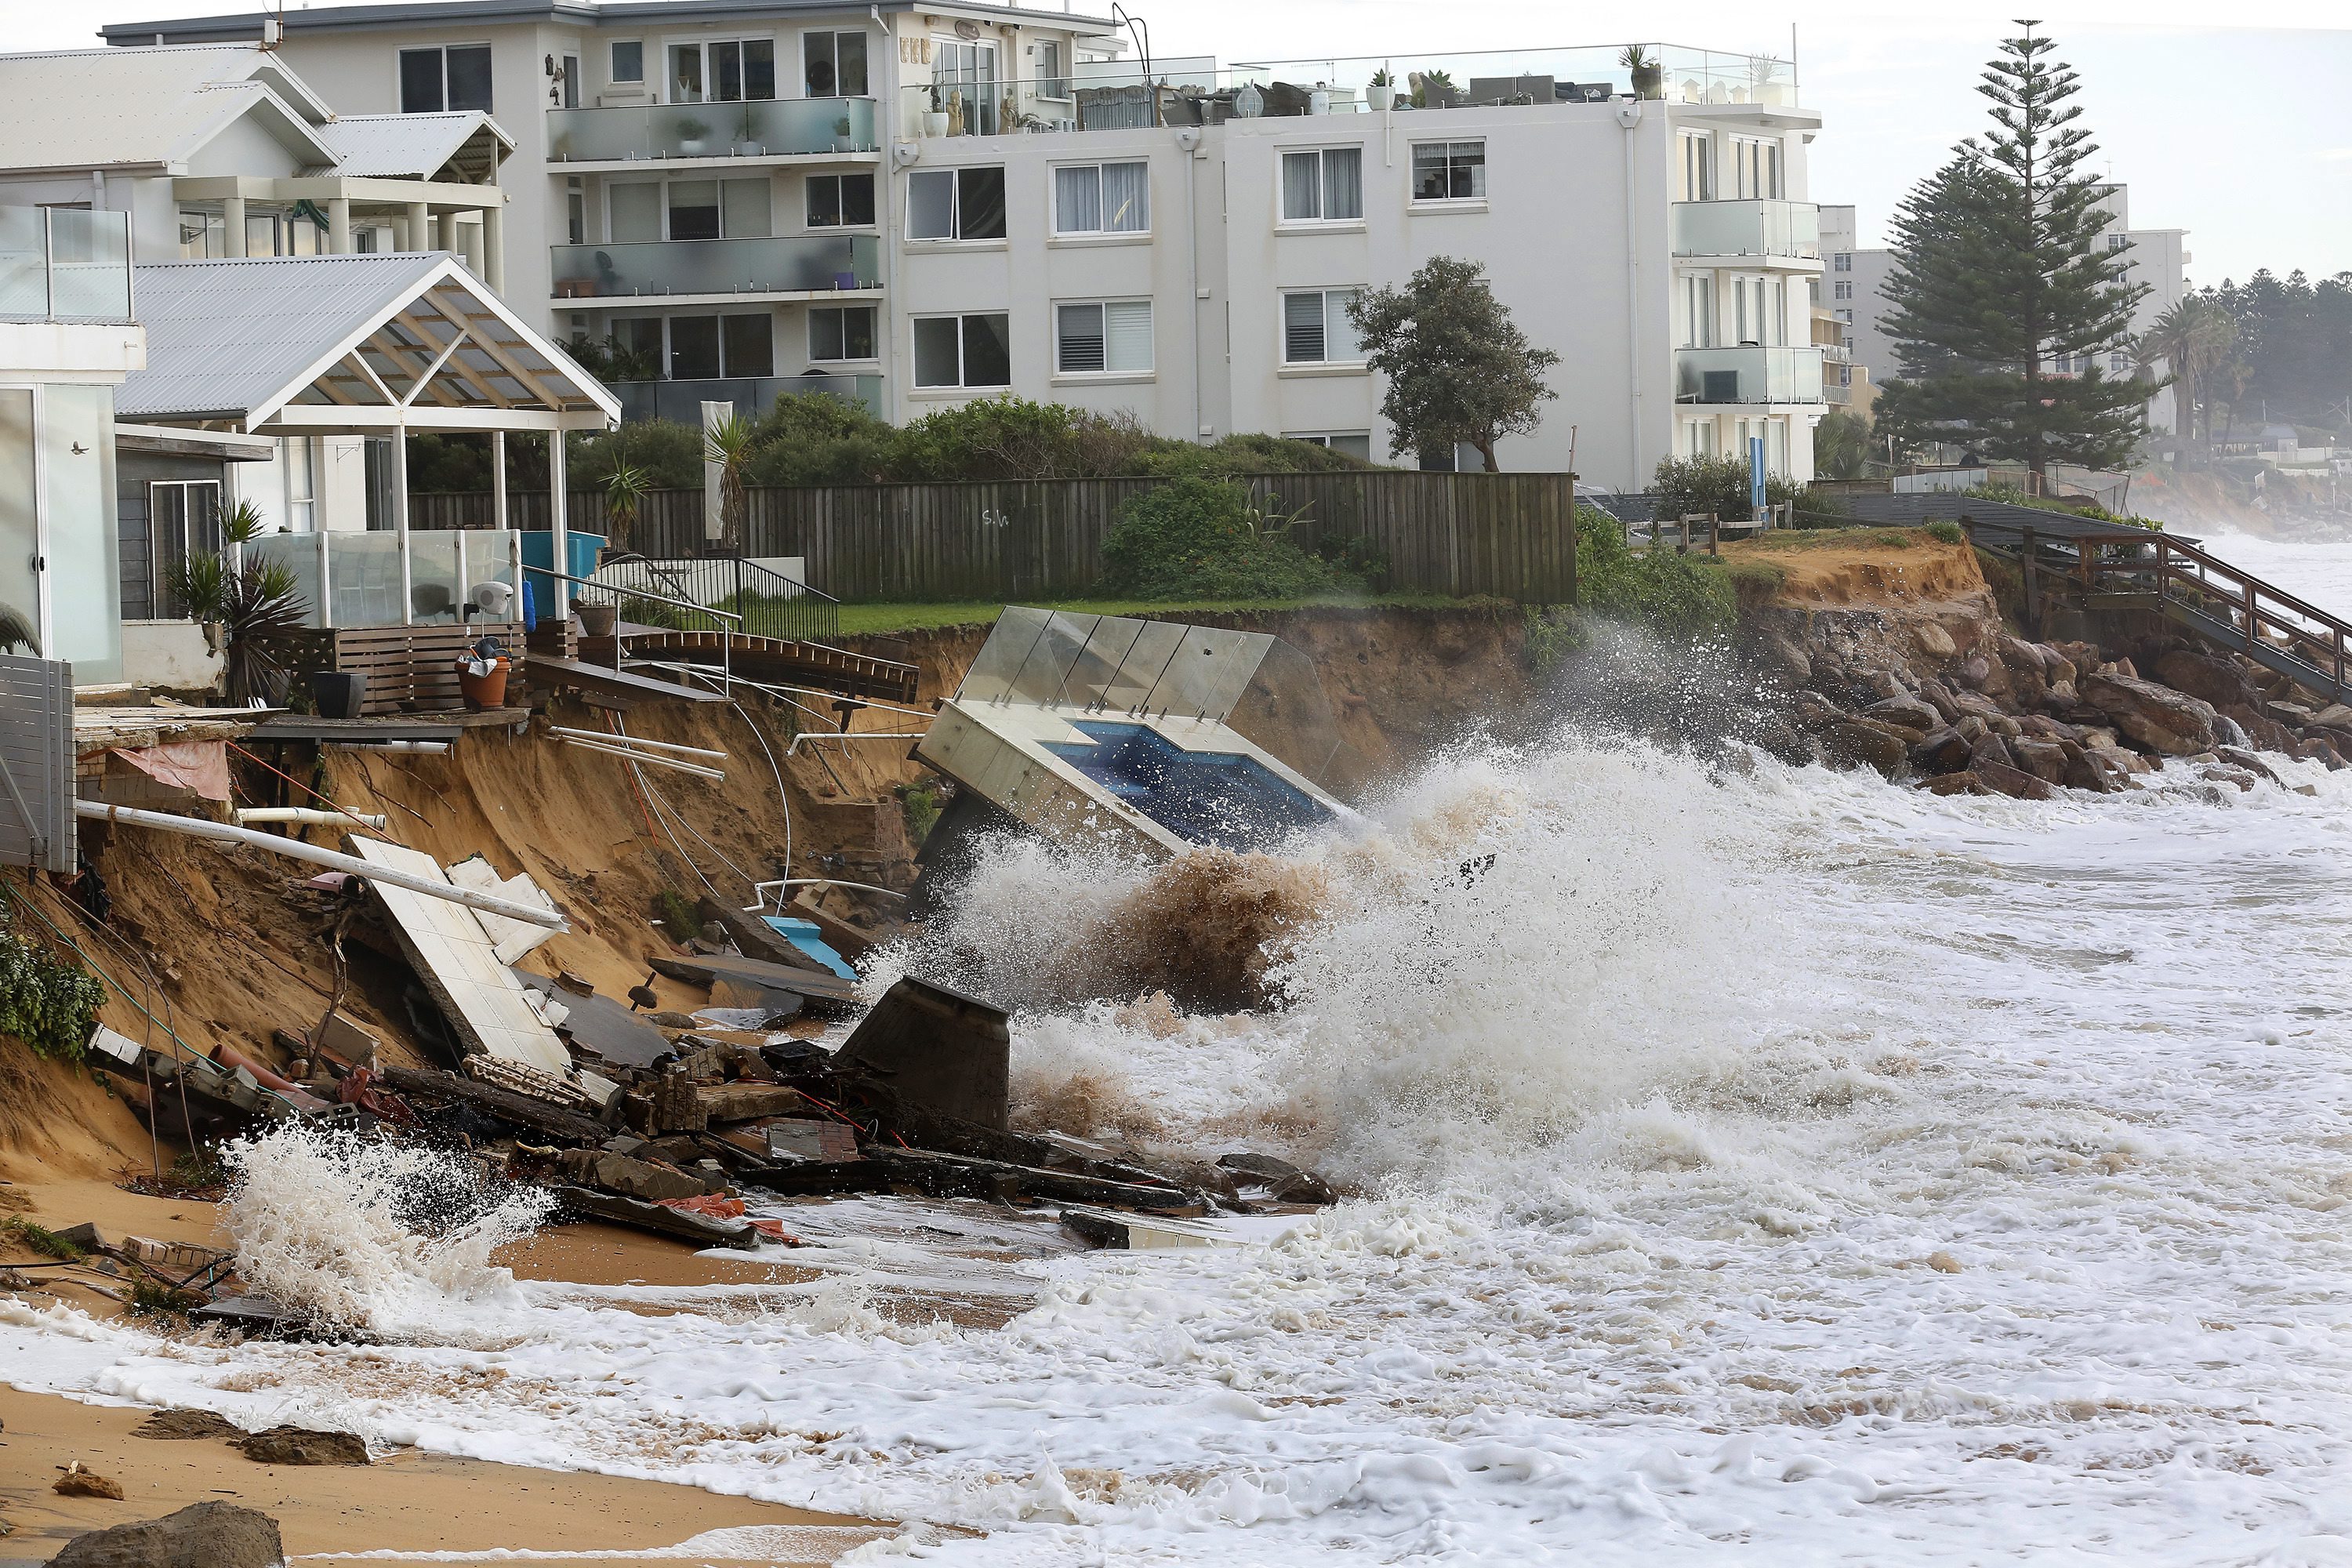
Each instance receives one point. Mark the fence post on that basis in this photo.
(2033, 574)
(2249, 596)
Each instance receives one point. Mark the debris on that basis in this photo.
(211, 1534)
(601, 1026)
(808, 939)
(639, 1178)
(938, 1049)
(517, 1110)
(963, 1176)
(79, 1482)
(730, 994)
(179, 1425)
(256, 1315)
(755, 937)
(1124, 1232)
(586, 1097)
(715, 1208)
(1284, 1183)
(511, 938)
(700, 1230)
(810, 1140)
(823, 990)
(300, 1446)
(746, 1101)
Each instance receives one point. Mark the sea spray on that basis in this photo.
(365, 1233)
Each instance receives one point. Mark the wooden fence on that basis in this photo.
(1512, 536)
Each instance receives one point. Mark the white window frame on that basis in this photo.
(399, 89)
(710, 73)
(955, 209)
(873, 59)
(959, 384)
(612, 62)
(1282, 328)
(1059, 77)
(1107, 370)
(1698, 150)
(1054, 198)
(847, 358)
(1700, 312)
(808, 183)
(301, 500)
(1322, 186)
(1412, 172)
(1842, 261)
(1756, 161)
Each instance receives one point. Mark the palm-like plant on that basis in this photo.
(729, 444)
(255, 601)
(626, 488)
(17, 631)
(2191, 337)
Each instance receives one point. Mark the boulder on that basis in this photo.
(202, 1535)
(2239, 757)
(2045, 760)
(2018, 655)
(1971, 729)
(2209, 680)
(1934, 641)
(2155, 716)
(1938, 696)
(2312, 749)
(1886, 685)
(2042, 727)
(2335, 716)
(1942, 751)
(2064, 697)
(79, 1482)
(1977, 703)
(2013, 782)
(1956, 784)
(2055, 666)
(2219, 773)
(2095, 770)
(1990, 748)
(1778, 740)
(2004, 725)
(1857, 744)
(1906, 711)
(300, 1445)
(2266, 733)
(1779, 651)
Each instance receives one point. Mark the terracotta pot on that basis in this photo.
(484, 691)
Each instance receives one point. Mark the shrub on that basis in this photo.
(668, 452)
(1945, 530)
(41, 1239)
(1659, 590)
(49, 1004)
(1195, 538)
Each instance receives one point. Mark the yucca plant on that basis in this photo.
(17, 631)
(626, 489)
(242, 523)
(253, 602)
(730, 445)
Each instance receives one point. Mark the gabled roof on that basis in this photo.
(588, 13)
(86, 109)
(464, 145)
(347, 343)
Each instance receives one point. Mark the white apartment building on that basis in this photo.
(920, 204)
(2156, 257)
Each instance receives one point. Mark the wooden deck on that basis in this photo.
(817, 665)
(410, 669)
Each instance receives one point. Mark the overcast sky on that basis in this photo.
(2240, 134)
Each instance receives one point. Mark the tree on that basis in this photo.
(2000, 275)
(1841, 445)
(2190, 337)
(1459, 367)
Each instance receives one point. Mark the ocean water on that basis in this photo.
(1762, 1165)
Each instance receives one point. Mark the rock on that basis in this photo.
(2095, 770)
(2004, 725)
(1943, 1263)
(673, 1020)
(1781, 652)
(2335, 716)
(1971, 729)
(2045, 760)
(202, 1535)
(2311, 748)
(1812, 710)
(1943, 751)
(1906, 711)
(2239, 757)
(2155, 716)
(300, 1446)
(1977, 704)
(2013, 782)
(2205, 678)
(1973, 672)
(2227, 731)
(1303, 1188)
(1886, 685)
(2057, 667)
(2062, 696)
(1859, 743)
(2042, 727)
(1934, 641)
(1991, 748)
(79, 1482)
(2219, 773)
(2264, 732)
(1775, 739)
(2293, 715)
(2018, 654)
(184, 1426)
(1957, 784)
(742, 1101)
(630, 1178)
(1938, 696)
(1263, 1169)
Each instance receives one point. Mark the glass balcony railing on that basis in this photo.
(771, 128)
(1749, 375)
(63, 264)
(360, 572)
(1748, 228)
(791, 264)
(753, 395)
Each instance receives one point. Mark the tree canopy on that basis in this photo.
(2005, 304)
(2294, 343)
(1458, 368)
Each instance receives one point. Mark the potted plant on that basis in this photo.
(935, 119)
(1649, 75)
(841, 134)
(691, 135)
(1434, 90)
(1380, 93)
(1764, 82)
(253, 602)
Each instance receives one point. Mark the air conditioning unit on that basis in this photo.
(1719, 386)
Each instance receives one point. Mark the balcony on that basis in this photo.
(1780, 230)
(62, 264)
(681, 401)
(775, 128)
(721, 270)
(1749, 375)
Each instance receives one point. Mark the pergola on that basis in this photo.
(359, 345)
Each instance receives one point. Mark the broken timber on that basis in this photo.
(520, 1109)
(815, 985)
(664, 1221)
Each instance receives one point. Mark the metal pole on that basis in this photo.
(559, 536)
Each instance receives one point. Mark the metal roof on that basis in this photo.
(417, 146)
(332, 341)
(102, 108)
(435, 14)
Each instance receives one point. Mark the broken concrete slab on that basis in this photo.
(963, 1176)
(811, 984)
(630, 1178)
(938, 1049)
(601, 1026)
(1131, 1233)
(748, 1101)
(509, 938)
(517, 1110)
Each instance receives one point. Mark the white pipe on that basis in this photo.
(836, 735)
(294, 849)
(307, 815)
(421, 748)
(612, 739)
(648, 758)
(816, 882)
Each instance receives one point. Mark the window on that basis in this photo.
(1756, 168)
(1449, 171)
(575, 217)
(568, 89)
(183, 519)
(965, 74)
(2118, 241)
(841, 332)
(1844, 290)
(1698, 311)
(1352, 443)
(203, 235)
(2119, 365)
(841, 200)
(955, 203)
(1051, 81)
(1697, 167)
(722, 72)
(693, 209)
(693, 348)
(457, 76)
(1698, 438)
(1325, 185)
(629, 61)
(1102, 198)
(963, 350)
(749, 344)
(1841, 262)
(833, 65)
(1113, 337)
(296, 461)
(1316, 329)
(640, 211)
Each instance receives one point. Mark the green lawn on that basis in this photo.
(862, 620)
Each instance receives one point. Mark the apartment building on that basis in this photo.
(2156, 257)
(914, 204)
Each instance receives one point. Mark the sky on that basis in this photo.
(2240, 134)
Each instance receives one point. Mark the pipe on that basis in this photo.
(817, 882)
(420, 748)
(606, 737)
(307, 815)
(1629, 115)
(295, 849)
(794, 744)
(647, 760)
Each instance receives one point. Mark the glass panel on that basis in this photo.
(930, 203)
(693, 347)
(420, 81)
(751, 345)
(819, 76)
(693, 209)
(470, 77)
(1283, 712)
(20, 603)
(435, 591)
(980, 198)
(759, 69)
(1017, 629)
(1127, 335)
(805, 263)
(826, 334)
(747, 130)
(1340, 343)
(92, 255)
(988, 351)
(748, 214)
(1211, 669)
(1140, 667)
(299, 554)
(23, 267)
(824, 201)
(1079, 335)
(636, 212)
(1050, 661)
(726, 72)
(850, 51)
(1301, 185)
(1077, 199)
(85, 556)
(1302, 327)
(1126, 198)
(629, 63)
(857, 200)
(1096, 666)
(938, 352)
(1343, 183)
(686, 73)
(857, 338)
(363, 578)
(1429, 172)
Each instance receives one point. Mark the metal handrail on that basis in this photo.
(726, 641)
(791, 610)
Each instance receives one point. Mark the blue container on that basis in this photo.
(539, 551)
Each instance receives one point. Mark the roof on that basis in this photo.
(87, 109)
(418, 146)
(326, 343)
(449, 13)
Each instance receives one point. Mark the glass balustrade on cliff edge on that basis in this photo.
(770, 128)
(793, 264)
